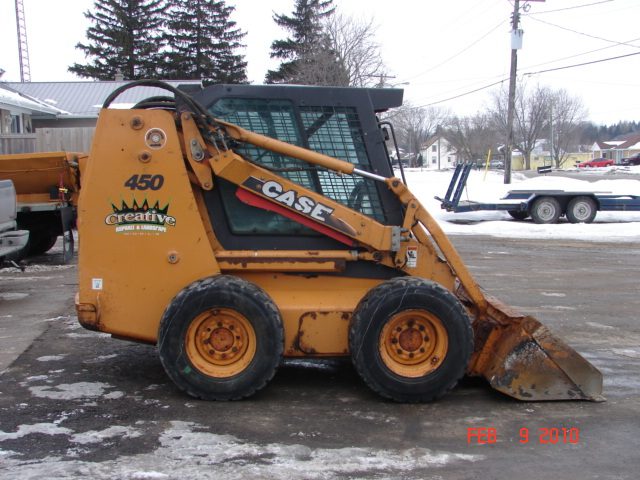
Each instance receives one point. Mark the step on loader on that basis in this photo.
(248, 224)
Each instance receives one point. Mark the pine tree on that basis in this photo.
(307, 40)
(124, 38)
(201, 41)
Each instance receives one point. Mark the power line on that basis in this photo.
(582, 64)
(584, 34)
(525, 74)
(472, 44)
(578, 54)
(463, 94)
(572, 8)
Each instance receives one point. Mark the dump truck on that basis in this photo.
(47, 190)
(246, 224)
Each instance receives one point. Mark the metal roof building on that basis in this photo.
(83, 100)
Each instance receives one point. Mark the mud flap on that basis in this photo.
(521, 358)
(67, 217)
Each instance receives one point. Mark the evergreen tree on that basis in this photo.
(123, 38)
(201, 41)
(307, 40)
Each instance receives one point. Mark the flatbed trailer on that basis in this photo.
(543, 206)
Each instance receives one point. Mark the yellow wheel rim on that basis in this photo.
(413, 343)
(220, 342)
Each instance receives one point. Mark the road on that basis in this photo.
(78, 404)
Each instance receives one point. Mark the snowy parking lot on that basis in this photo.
(80, 404)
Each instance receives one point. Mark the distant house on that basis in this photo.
(17, 111)
(437, 153)
(541, 157)
(71, 109)
(617, 149)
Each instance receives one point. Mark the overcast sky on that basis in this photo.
(443, 48)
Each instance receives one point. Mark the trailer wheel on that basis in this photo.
(581, 210)
(545, 210)
(518, 214)
(221, 338)
(410, 340)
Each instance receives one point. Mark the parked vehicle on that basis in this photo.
(597, 162)
(47, 190)
(12, 240)
(633, 160)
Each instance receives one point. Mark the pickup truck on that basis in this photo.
(633, 160)
(12, 240)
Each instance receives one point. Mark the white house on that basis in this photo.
(437, 153)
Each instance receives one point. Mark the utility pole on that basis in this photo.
(383, 79)
(515, 19)
(551, 134)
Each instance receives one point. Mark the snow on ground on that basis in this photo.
(185, 448)
(607, 226)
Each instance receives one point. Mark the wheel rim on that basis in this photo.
(546, 211)
(582, 211)
(413, 343)
(220, 342)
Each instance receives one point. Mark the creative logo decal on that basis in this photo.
(140, 219)
(155, 138)
(290, 198)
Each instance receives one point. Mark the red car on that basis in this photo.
(597, 162)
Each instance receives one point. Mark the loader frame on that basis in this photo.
(157, 218)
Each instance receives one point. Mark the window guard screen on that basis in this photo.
(333, 131)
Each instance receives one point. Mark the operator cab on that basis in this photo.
(339, 122)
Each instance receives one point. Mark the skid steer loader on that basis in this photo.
(251, 223)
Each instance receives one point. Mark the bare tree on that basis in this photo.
(354, 45)
(472, 136)
(415, 125)
(530, 117)
(567, 116)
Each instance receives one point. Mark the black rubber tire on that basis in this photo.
(41, 241)
(378, 307)
(518, 214)
(546, 210)
(581, 210)
(222, 291)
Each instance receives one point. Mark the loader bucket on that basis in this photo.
(521, 358)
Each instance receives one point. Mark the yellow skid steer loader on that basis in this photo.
(248, 224)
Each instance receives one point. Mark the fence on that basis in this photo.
(76, 139)
(17, 143)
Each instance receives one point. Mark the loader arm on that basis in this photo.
(419, 229)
